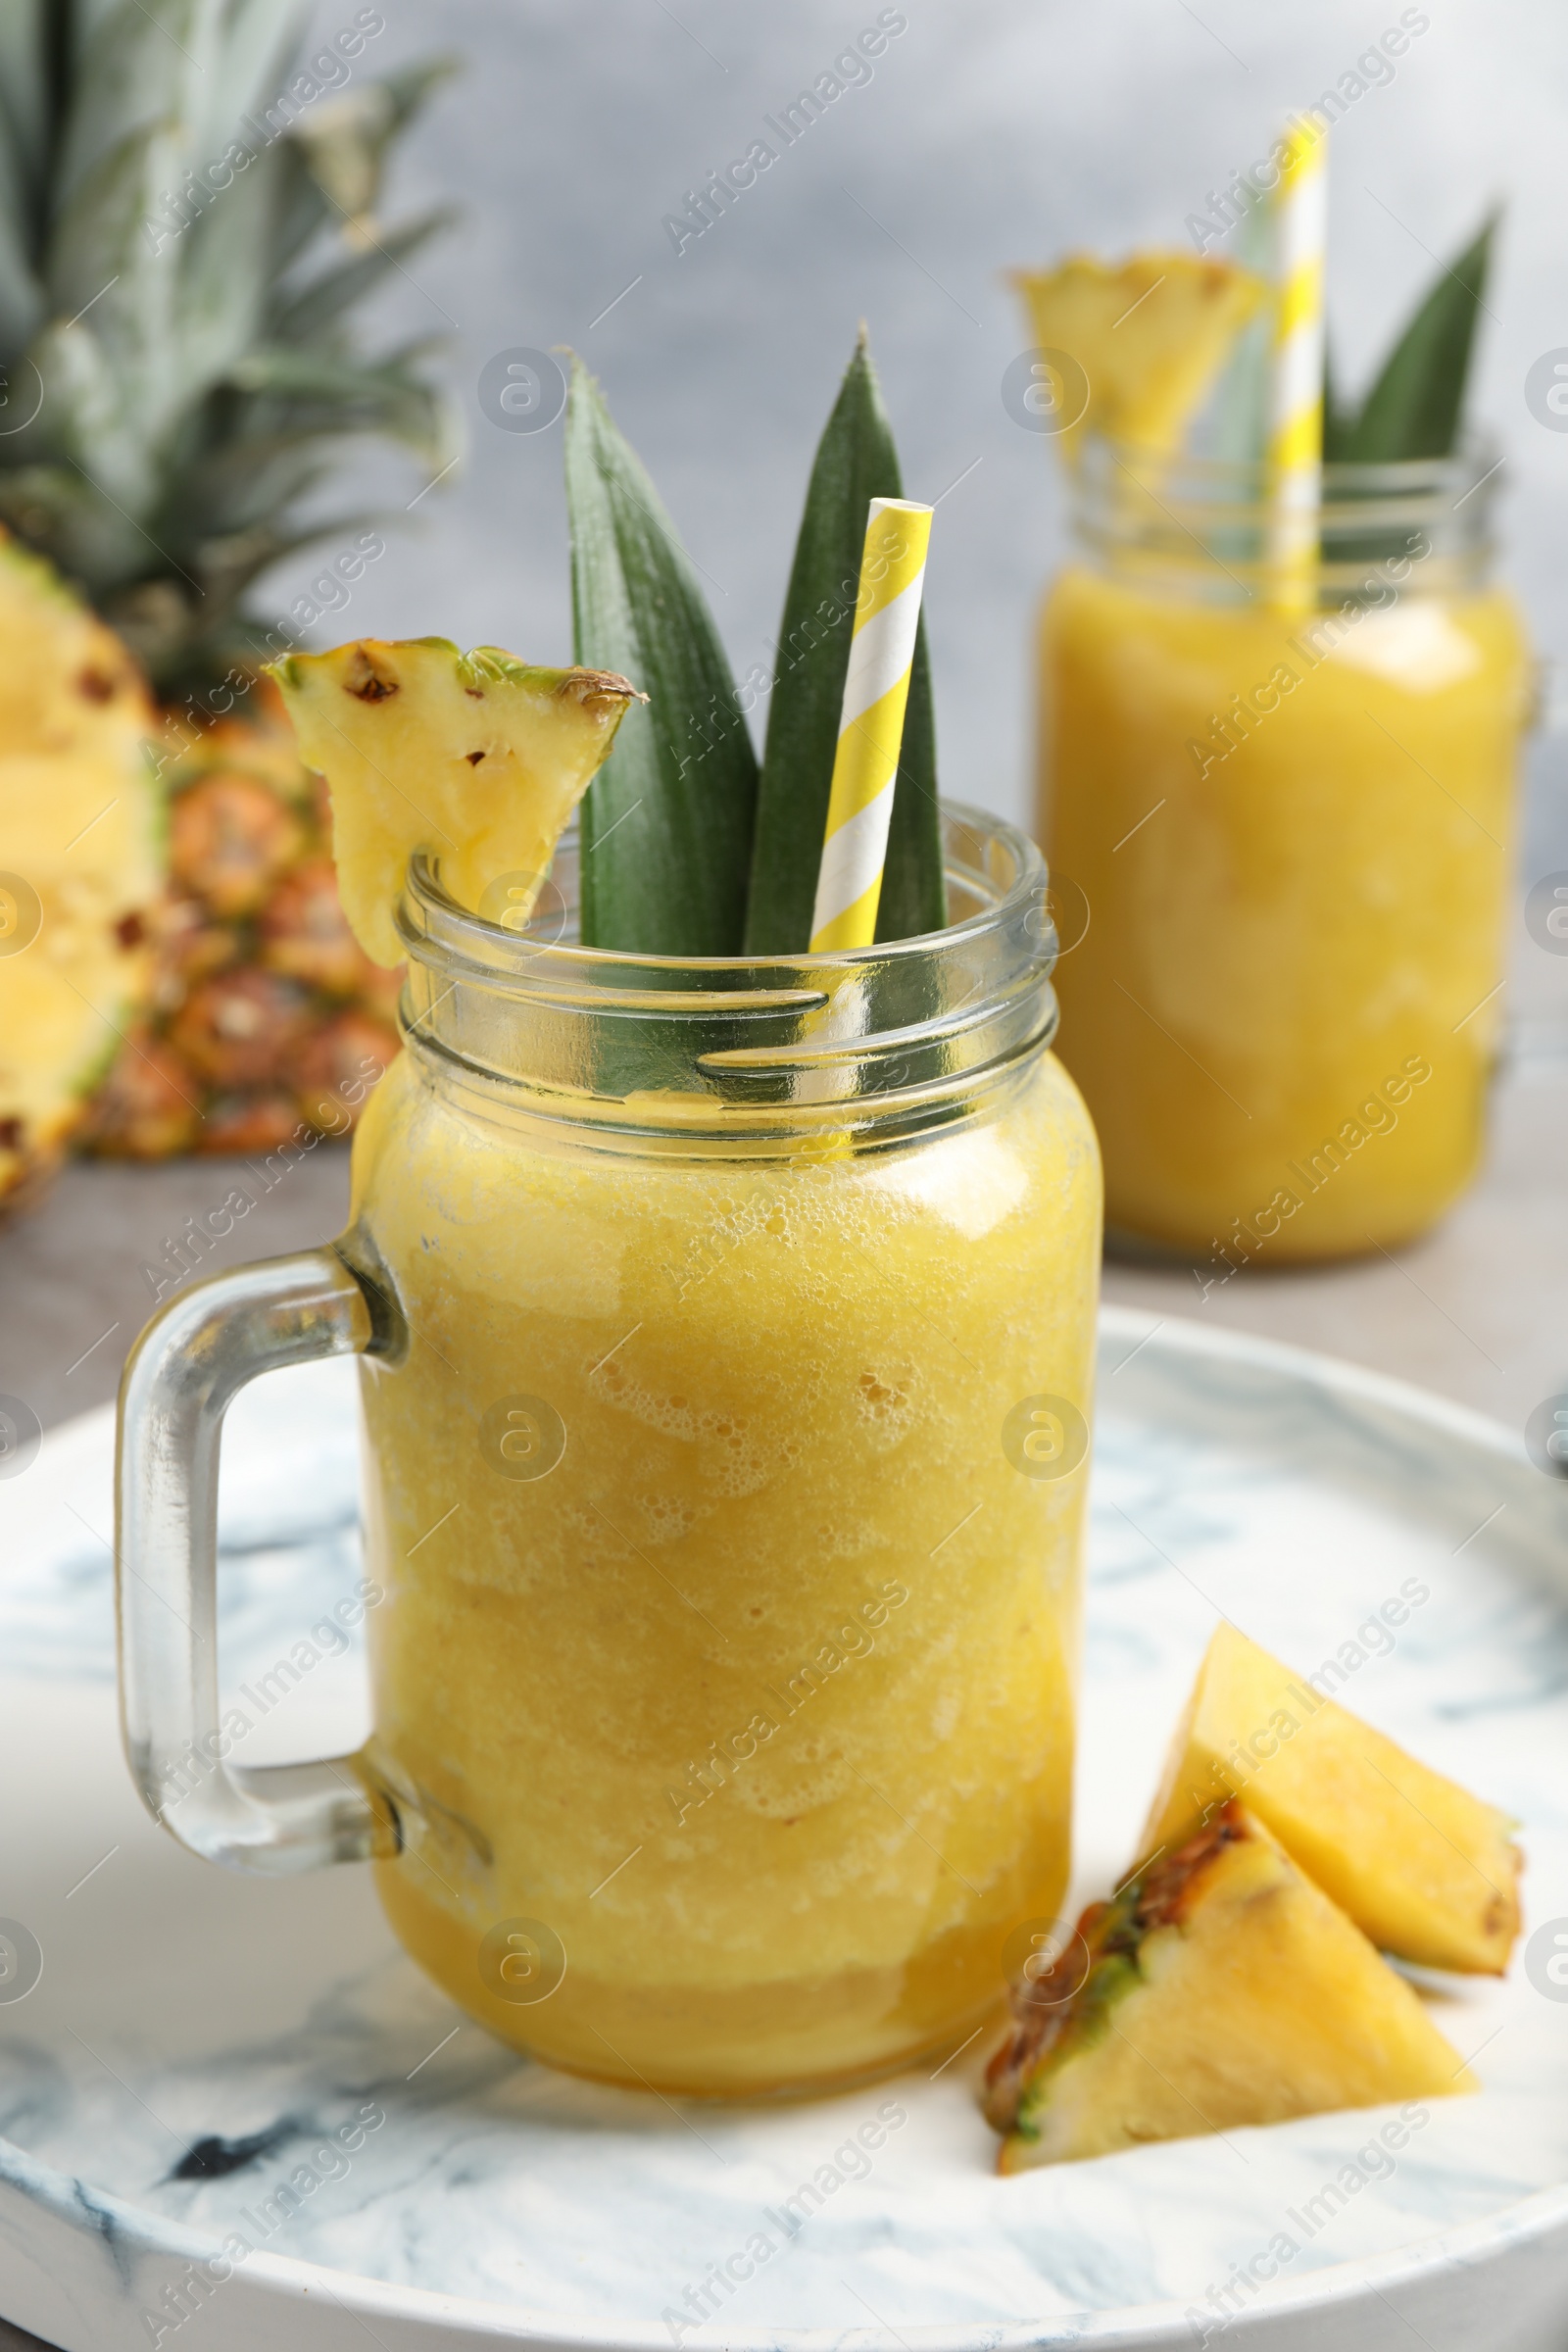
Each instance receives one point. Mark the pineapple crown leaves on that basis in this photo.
(186, 222)
(678, 884)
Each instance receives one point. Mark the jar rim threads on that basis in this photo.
(889, 1039)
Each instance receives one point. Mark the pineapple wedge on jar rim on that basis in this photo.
(1150, 335)
(478, 759)
(1426, 1870)
(1218, 1989)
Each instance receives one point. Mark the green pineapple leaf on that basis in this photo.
(25, 126)
(1337, 420)
(345, 142)
(855, 462)
(315, 317)
(353, 396)
(1414, 407)
(667, 823)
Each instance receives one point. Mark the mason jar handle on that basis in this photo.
(182, 1374)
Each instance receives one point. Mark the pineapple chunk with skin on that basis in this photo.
(1426, 1870)
(1223, 1989)
(475, 758)
(1150, 334)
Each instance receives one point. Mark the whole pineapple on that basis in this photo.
(186, 223)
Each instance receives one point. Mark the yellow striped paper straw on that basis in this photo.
(1296, 385)
(876, 688)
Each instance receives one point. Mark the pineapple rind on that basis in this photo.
(1087, 2024)
(478, 759)
(1425, 1869)
(1258, 2001)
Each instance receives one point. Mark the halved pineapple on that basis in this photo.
(1223, 1988)
(1150, 335)
(476, 759)
(79, 825)
(1425, 1869)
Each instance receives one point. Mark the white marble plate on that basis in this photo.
(182, 2009)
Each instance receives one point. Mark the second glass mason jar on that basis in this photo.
(727, 1499)
(1292, 815)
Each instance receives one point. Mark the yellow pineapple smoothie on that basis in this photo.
(1295, 833)
(725, 1672)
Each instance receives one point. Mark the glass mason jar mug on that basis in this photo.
(726, 1338)
(1293, 816)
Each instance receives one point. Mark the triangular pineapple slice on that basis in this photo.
(1150, 335)
(474, 758)
(1223, 1988)
(1425, 1869)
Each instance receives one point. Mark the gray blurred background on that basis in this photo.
(993, 133)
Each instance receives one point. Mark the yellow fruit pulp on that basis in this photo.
(1284, 1013)
(762, 1700)
(478, 759)
(79, 834)
(1256, 2000)
(1149, 334)
(1422, 1867)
